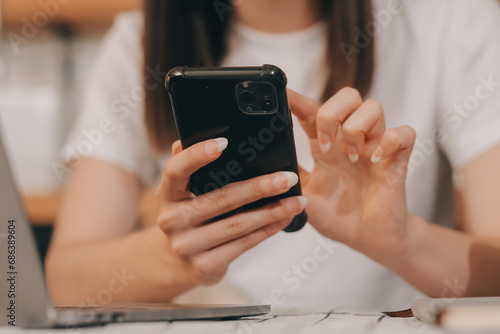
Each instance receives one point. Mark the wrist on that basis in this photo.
(165, 273)
(413, 243)
(404, 249)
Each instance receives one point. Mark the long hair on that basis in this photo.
(193, 32)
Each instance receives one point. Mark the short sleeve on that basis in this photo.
(110, 123)
(470, 84)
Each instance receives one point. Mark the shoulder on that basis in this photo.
(131, 22)
(118, 63)
(126, 32)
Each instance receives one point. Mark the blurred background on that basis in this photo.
(46, 50)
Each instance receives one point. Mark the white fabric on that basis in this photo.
(430, 56)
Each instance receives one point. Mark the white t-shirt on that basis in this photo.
(437, 70)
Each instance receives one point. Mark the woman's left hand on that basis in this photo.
(356, 190)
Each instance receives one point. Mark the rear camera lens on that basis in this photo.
(268, 105)
(247, 97)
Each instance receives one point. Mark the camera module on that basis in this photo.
(256, 97)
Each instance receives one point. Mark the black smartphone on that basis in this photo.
(249, 107)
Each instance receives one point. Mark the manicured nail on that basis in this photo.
(216, 145)
(303, 202)
(285, 180)
(353, 154)
(324, 142)
(290, 203)
(377, 155)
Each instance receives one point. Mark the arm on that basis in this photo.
(446, 263)
(92, 238)
(93, 249)
(363, 205)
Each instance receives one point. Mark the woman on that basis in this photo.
(376, 210)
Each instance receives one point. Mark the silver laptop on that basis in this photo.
(24, 299)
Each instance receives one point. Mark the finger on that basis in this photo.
(225, 199)
(179, 168)
(366, 123)
(216, 260)
(197, 240)
(176, 147)
(395, 141)
(305, 109)
(333, 113)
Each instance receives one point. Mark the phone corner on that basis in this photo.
(173, 75)
(274, 72)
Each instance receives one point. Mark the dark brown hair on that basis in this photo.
(192, 33)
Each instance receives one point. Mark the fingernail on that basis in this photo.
(353, 154)
(285, 180)
(216, 145)
(291, 205)
(377, 155)
(303, 202)
(324, 142)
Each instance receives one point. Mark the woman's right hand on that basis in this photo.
(206, 247)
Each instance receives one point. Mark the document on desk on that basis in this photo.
(320, 322)
(337, 321)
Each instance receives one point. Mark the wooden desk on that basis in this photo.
(74, 11)
(42, 210)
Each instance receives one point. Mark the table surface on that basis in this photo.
(321, 322)
(42, 209)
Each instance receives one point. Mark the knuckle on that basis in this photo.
(220, 198)
(375, 105)
(167, 220)
(214, 278)
(351, 93)
(258, 187)
(411, 132)
(352, 134)
(391, 136)
(350, 129)
(202, 268)
(171, 172)
(235, 226)
(177, 247)
(246, 242)
(324, 116)
(184, 215)
(200, 203)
